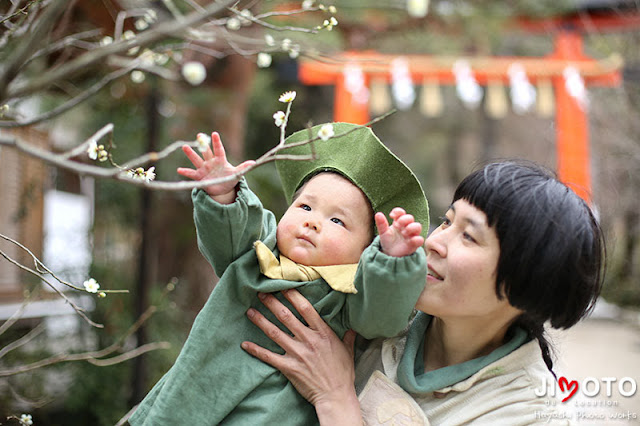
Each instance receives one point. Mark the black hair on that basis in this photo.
(552, 251)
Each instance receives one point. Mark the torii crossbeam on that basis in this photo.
(572, 136)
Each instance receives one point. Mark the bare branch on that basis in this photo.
(40, 274)
(119, 173)
(129, 355)
(82, 148)
(33, 38)
(23, 340)
(16, 315)
(81, 64)
(86, 94)
(94, 356)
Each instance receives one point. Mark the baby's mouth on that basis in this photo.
(306, 239)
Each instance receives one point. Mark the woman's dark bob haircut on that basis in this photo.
(552, 250)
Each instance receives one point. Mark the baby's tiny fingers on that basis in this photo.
(195, 159)
(188, 173)
(414, 228)
(397, 212)
(381, 223)
(404, 220)
(416, 242)
(216, 145)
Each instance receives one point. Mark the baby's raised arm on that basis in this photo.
(402, 237)
(214, 165)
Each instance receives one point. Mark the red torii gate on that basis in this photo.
(572, 136)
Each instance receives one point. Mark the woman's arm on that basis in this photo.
(316, 361)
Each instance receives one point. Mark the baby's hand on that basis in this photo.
(214, 165)
(403, 237)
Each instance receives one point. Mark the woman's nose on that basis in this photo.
(436, 242)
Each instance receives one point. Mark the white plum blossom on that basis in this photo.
(287, 97)
(203, 141)
(418, 8)
(264, 60)
(93, 150)
(330, 23)
(307, 4)
(141, 24)
(130, 35)
(151, 16)
(279, 118)
(326, 132)
(286, 44)
(294, 51)
(268, 38)
(194, 72)
(106, 40)
(150, 174)
(26, 420)
(245, 17)
(141, 174)
(97, 152)
(137, 76)
(160, 58)
(146, 58)
(233, 24)
(91, 285)
(102, 295)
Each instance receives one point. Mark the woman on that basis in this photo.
(517, 248)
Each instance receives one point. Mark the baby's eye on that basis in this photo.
(305, 207)
(338, 221)
(444, 221)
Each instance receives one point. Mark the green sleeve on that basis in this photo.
(388, 289)
(227, 231)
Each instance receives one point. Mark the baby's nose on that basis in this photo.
(312, 224)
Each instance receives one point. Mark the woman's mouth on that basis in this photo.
(434, 274)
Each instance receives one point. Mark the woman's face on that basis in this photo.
(462, 256)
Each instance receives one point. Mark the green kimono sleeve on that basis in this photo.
(388, 289)
(227, 231)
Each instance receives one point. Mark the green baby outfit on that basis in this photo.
(213, 380)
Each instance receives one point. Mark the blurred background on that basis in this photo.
(556, 82)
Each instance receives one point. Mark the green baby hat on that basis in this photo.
(363, 159)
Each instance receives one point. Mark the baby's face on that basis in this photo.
(329, 223)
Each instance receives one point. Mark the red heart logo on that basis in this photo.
(571, 387)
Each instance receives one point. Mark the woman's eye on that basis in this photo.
(305, 207)
(444, 221)
(468, 237)
(338, 221)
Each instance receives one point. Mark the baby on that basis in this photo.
(324, 245)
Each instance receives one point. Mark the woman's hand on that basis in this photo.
(318, 364)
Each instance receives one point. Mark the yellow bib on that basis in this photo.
(339, 277)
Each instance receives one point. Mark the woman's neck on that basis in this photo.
(454, 342)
